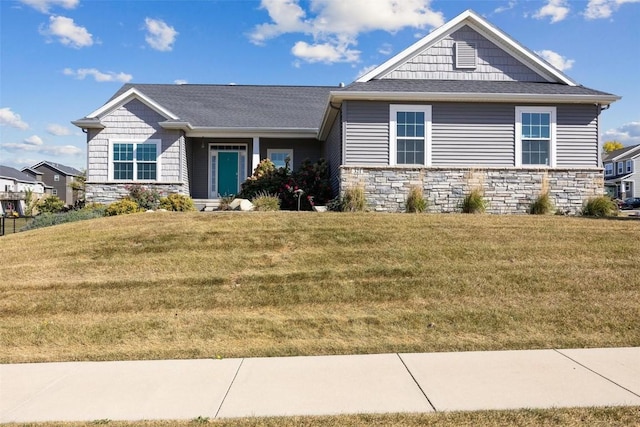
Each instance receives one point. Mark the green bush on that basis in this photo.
(50, 204)
(266, 202)
(474, 202)
(49, 219)
(177, 202)
(541, 205)
(601, 206)
(353, 200)
(146, 199)
(416, 203)
(122, 207)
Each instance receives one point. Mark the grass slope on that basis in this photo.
(171, 285)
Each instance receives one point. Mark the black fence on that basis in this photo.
(12, 224)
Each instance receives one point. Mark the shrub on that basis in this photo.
(177, 202)
(353, 200)
(541, 205)
(266, 202)
(49, 219)
(122, 207)
(308, 186)
(601, 206)
(51, 204)
(145, 198)
(474, 202)
(416, 203)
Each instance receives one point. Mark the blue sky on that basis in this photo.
(62, 59)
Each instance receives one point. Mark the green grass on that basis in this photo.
(620, 416)
(195, 285)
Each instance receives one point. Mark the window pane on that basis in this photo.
(146, 152)
(401, 130)
(535, 152)
(146, 171)
(122, 152)
(279, 159)
(122, 170)
(401, 117)
(526, 119)
(410, 151)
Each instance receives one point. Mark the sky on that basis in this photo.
(62, 59)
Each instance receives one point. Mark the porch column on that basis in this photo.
(255, 158)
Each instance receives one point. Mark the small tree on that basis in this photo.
(78, 186)
(51, 204)
(610, 146)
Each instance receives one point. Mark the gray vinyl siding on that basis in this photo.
(577, 136)
(635, 178)
(135, 121)
(333, 153)
(438, 62)
(366, 133)
(303, 149)
(472, 134)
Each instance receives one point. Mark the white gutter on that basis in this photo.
(238, 132)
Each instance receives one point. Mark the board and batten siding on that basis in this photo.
(438, 62)
(134, 121)
(470, 134)
(366, 133)
(303, 149)
(577, 136)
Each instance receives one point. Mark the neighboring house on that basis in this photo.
(14, 186)
(622, 172)
(58, 177)
(465, 106)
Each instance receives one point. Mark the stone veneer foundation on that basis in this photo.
(507, 190)
(110, 192)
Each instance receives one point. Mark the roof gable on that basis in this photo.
(14, 174)
(622, 154)
(125, 97)
(466, 21)
(66, 170)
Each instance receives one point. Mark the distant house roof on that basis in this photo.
(622, 154)
(226, 106)
(14, 174)
(66, 170)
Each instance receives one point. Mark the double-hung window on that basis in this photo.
(410, 135)
(629, 166)
(620, 168)
(608, 169)
(135, 161)
(535, 136)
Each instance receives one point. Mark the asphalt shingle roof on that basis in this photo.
(239, 106)
(469, 86)
(621, 153)
(67, 170)
(15, 174)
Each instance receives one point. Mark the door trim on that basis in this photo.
(214, 148)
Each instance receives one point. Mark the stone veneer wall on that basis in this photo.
(110, 192)
(507, 190)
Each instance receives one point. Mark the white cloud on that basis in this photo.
(60, 150)
(99, 76)
(599, 9)
(67, 32)
(58, 130)
(334, 25)
(555, 59)
(45, 5)
(180, 82)
(9, 118)
(628, 134)
(556, 9)
(385, 49)
(509, 6)
(160, 36)
(365, 70)
(34, 140)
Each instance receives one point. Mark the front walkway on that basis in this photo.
(319, 385)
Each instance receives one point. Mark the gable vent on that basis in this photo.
(465, 55)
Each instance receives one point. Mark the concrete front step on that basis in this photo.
(207, 205)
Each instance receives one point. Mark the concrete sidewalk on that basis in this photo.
(319, 385)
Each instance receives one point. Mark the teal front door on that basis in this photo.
(227, 173)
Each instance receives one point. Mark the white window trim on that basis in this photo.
(56, 178)
(552, 136)
(287, 151)
(213, 149)
(608, 171)
(394, 109)
(620, 168)
(110, 168)
(629, 166)
(54, 192)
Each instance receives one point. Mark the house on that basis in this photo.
(467, 106)
(14, 187)
(58, 177)
(622, 172)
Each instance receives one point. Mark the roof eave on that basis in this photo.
(88, 123)
(472, 97)
(127, 96)
(250, 132)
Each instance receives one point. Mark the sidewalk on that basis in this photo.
(319, 385)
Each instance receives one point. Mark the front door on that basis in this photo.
(227, 173)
